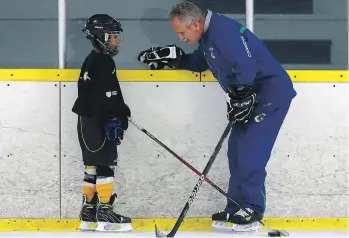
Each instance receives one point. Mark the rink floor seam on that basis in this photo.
(60, 147)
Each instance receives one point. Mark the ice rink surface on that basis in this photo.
(183, 234)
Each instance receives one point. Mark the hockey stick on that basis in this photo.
(271, 233)
(198, 184)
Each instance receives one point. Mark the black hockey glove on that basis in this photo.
(240, 102)
(161, 57)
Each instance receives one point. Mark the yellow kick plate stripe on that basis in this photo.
(166, 224)
(71, 75)
(302, 76)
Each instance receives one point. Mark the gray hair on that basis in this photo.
(186, 12)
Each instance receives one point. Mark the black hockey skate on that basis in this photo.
(88, 219)
(108, 220)
(239, 221)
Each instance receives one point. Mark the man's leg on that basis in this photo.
(234, 183)
(220, 219)
(255, 149)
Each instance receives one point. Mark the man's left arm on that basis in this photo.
(235, 49)
(241, 97)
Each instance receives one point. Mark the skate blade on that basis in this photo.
(113, 227)
(228, 226)
(87, 226)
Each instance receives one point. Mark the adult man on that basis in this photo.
(102, 120)
(259, 93)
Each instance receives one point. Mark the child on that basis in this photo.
(102, 120)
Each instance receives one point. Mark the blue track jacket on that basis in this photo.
(236, 56)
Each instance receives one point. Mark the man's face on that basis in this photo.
(191, 34)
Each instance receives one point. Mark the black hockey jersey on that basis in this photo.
(99, 92)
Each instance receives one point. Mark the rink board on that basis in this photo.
(306, 168)
(40, 159)
(29, 150)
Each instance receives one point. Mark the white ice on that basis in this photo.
(180, 234)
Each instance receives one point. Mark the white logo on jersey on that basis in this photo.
(113, 71)
(85, 77)
(111, 93)
(246, 47)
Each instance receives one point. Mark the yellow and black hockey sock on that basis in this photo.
(89, 184)
(105, 182)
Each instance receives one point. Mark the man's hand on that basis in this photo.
(240, 103)
(161, 57)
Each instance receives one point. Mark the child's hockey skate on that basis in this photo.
(88, 220)
(108, 220)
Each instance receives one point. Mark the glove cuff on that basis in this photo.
(240, 91)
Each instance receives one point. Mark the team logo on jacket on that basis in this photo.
(212, 54)
(259, 117)
(111, 93)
